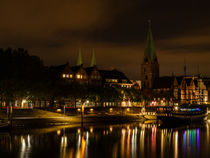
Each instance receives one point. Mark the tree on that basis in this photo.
(21, 74)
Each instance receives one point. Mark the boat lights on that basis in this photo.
(186, 109)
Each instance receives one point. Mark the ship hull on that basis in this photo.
(177, 118)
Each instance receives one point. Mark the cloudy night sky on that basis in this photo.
(54, 30)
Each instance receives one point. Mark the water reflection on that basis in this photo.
(25, 146)
(125, 140)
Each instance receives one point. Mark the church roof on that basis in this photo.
(93, 60)
(149, 52)
(163, 82)
(75, 69)
(179, 79)
(188, 81)
(114, 74)
(90, 69)
(79, 60)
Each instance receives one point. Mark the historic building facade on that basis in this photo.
(169, 89)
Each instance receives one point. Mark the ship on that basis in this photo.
(186, 113)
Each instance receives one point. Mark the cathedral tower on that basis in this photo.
(150, 66)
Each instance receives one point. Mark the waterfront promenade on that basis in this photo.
(39, 118)
(44, 118)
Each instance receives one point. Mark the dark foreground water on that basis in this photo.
(122, 140)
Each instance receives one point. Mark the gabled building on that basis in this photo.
(94, 76)
(166, 90)
(180, 90)
(115, 78)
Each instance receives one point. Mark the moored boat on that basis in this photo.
(186, 113)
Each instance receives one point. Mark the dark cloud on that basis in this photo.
(55, 29)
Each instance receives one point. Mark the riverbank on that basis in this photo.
(42, 118)
(34, 118)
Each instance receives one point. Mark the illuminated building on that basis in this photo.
(170, 89)
(150, 66)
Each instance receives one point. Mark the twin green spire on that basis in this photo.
(150, 48)
(79, 60)
(93, 60)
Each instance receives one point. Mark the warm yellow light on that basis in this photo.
(78, 131)
(111, 109)
(58, 110)
(91, 130)
(128, 109)
(71, 76)
(110, 128)
(67, 76)
(91, 110)
(58, 132)
(78, 76)
(78, 110)
(64, 75)
(176, 108)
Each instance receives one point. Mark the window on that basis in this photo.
(124, 81)
(71, 76)
(67, 75)
(78, 76)
(64, 75)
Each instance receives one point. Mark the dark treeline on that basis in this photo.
(25, 76)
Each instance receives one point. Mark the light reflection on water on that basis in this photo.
(124, 140)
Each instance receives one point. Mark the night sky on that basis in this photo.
(56, 29)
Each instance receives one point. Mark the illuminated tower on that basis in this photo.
(79, 59)
(150, 66)
(93, 60)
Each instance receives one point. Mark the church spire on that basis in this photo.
(150, 48)
(79, 59)
(93, 60)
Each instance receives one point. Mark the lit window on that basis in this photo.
(78, 76)
(64, 75)
(67, 76)
(81, 76)
(71, 76)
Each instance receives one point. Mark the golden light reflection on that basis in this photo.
(110, 128)
(153, 140)
(134, 143)
(78, 131)
(176, 145)
(115, 149)
(63, 147)
(82, 145)
(123, 143)
(91, 129)
(128, 143)
(25, 146)
(142, 135)
(162, 144)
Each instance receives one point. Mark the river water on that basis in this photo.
(130, 140)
